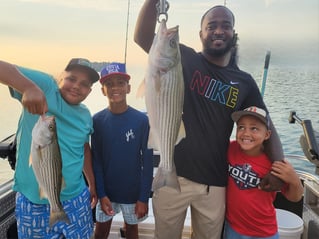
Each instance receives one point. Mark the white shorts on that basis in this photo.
(128, 211)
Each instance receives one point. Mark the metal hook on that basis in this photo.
(162, 8)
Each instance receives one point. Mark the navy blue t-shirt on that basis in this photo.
(122, 163)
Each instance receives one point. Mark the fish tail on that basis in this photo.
(165, 178)
(56, 216)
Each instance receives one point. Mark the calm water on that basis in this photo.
(289, 87)
(293, 89)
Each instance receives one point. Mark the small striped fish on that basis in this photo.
(164, 97)
(47, 165)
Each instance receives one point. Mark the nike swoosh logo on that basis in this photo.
(234, 82)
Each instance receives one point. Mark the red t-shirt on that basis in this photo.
(249, 211)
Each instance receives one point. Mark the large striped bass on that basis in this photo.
(164, 97)
(47, 165)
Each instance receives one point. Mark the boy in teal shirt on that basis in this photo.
(40, 94)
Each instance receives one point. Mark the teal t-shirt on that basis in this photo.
(74, 126)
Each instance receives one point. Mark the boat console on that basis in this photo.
(309, 142)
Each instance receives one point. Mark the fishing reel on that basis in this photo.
(309, 140)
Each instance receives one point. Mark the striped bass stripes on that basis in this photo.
(46, 163)
(164, 97)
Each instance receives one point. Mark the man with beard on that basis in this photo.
(214, 88)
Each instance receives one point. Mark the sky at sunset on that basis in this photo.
(45, 34)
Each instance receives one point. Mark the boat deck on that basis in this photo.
(146, 228)
(309, 211)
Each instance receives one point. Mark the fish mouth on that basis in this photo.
(48, 117)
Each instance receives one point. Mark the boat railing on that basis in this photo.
(7, 206)
(6, 187)
(310, 210)
(303, 174)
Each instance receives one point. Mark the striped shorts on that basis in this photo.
(33, 219)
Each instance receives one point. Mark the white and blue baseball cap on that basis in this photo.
(113, 69)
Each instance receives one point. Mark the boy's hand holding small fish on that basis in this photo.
(34, 100)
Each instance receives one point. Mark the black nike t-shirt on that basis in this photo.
(212, 93)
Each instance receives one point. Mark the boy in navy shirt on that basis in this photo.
(122, 163)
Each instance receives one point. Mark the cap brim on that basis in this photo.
(122, 75)
(94, 76)
(238, 114)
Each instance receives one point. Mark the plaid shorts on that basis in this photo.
(128, 211)
(33, 219)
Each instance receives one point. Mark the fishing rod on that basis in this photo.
(126, 37)
(266, 66)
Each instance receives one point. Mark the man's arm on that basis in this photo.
(273, 147)
(145, 25)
